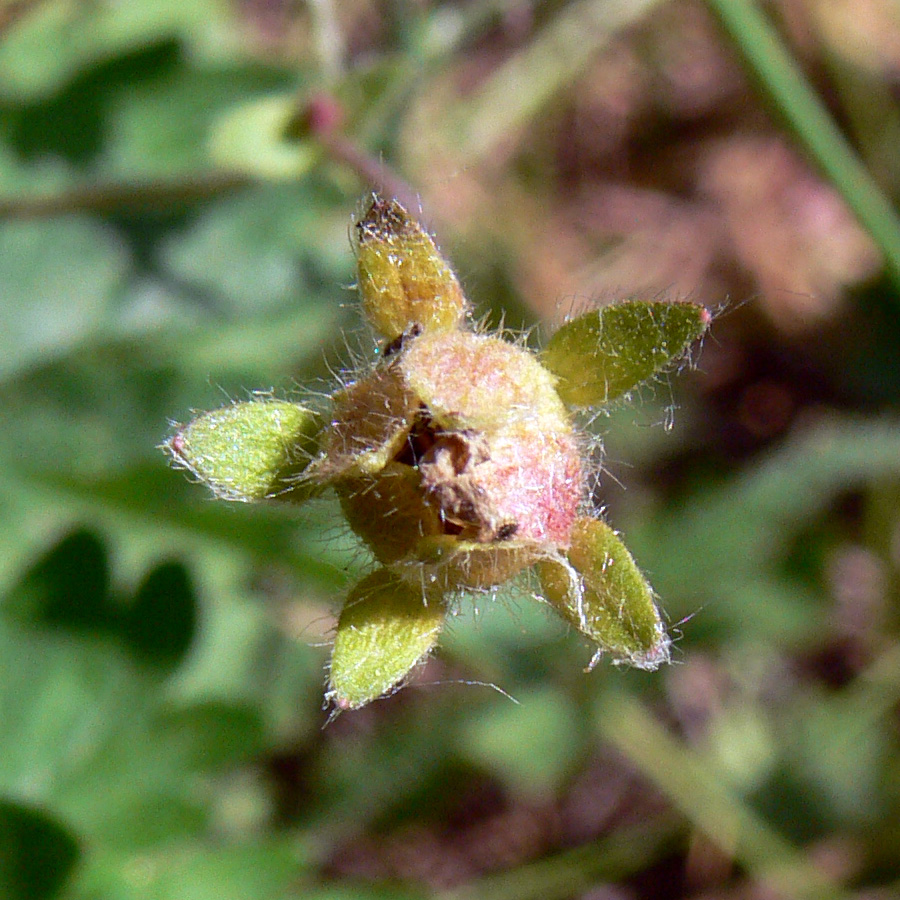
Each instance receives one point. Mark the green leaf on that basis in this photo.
(254, 138)
(261, 249)
(36, 853)
(61, 38)
(162, 126)
(68, 586)
(59, 280)
(79, 721)
(210, 736)
(385, 628)
(249, 451)
(194, 869)
(601, 591)
(603, 354)
(162, 621)
(532, 744)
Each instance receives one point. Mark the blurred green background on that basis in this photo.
(177, 183)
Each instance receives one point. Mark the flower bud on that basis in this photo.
(404, 282)
(456, 460)
(482, 382)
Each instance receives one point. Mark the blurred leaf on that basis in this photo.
(254, 138)
(722, 549)
(78, 721)
(361, 891)
(839, 763)
(210, 735)
(69, 586)
(71, 123)
(161, 621)
(837, 745)
(534, 744)
(17, 177)
(152, 498)
(37, 853)
(164, 127)
(59, 281)
(248, 249)
(59, 37)
(191, 870)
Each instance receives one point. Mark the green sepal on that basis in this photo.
(257, 450)
(603, 354)
(385, 628)
(599, 589)
(452, 564)
(389, 511)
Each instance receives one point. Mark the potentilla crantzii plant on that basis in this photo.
(456, 459)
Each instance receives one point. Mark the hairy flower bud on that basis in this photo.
(456, 460)
(403, 280)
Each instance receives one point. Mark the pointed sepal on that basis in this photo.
(389, 511)
(598, 587)
(385, 628)
(603, 354)
(256, 450)
(371, 419)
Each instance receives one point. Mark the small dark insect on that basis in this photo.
(505, 532)
(396, 345)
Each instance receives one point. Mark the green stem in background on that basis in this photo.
(524, 86)
(811, 123)
(693, 785)
(609, 860)
(114, 197)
